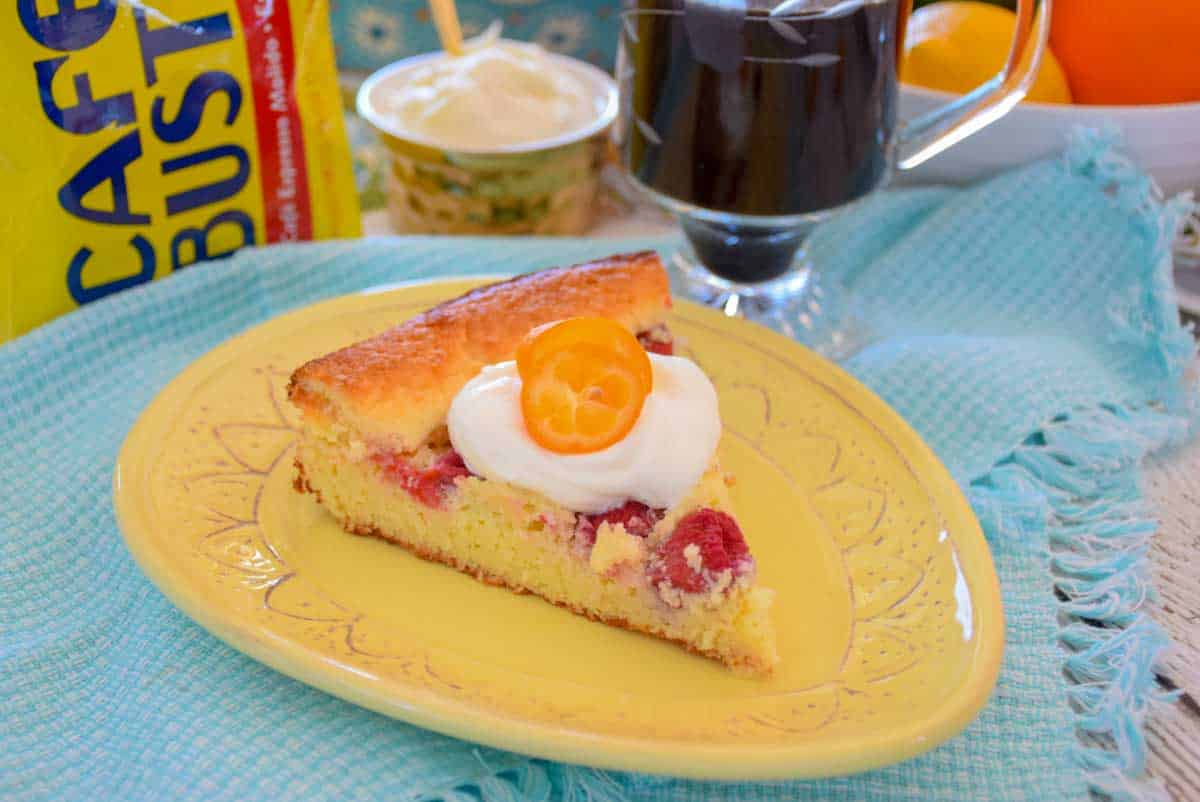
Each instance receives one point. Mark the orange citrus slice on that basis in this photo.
(955, 46)
(584, 381)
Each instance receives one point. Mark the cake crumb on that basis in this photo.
(614, 547)
(691, 554)
(670, 594)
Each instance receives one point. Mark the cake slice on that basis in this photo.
(423, 436)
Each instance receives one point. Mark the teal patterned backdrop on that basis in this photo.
(371, 33)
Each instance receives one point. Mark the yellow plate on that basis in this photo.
(888, 608)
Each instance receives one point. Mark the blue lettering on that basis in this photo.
(88, 115)
(107, 165)
(191, 108)
(198, 238)
(210, 193)
(177, 37)
(83, 295)
(70, 28)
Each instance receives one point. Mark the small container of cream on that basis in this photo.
(502, 139)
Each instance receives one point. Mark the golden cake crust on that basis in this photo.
(743, 664)
(396, 388)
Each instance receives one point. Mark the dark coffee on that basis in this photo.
(753, 116)
(737, 112)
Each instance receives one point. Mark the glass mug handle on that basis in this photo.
(928, 135)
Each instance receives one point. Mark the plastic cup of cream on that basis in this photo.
(504, 139)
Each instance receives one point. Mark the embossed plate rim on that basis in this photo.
(425, 708)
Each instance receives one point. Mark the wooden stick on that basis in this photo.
(445, 18)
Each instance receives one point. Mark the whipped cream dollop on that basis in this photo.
(661, 458)
(498, 93)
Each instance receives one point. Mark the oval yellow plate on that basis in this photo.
(888, 608)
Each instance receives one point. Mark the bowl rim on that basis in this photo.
(1064, 109)
(594, 75)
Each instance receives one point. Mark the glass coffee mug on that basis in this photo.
(755, 120)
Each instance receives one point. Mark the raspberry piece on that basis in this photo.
(450, 466)
(428, 486)
(585, 530)
(719, 546)
(657, 341)
(637, 518)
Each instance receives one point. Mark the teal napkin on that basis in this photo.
(1025, 326)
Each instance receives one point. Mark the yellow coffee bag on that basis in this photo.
(140, 138)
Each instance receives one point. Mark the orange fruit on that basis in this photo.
(584, 381)
(1120, 53)
(956, 45)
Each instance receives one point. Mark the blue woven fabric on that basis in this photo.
(1024, 326)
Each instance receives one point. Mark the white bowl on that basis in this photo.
(1163, 140)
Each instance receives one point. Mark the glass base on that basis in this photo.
(799, 304)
